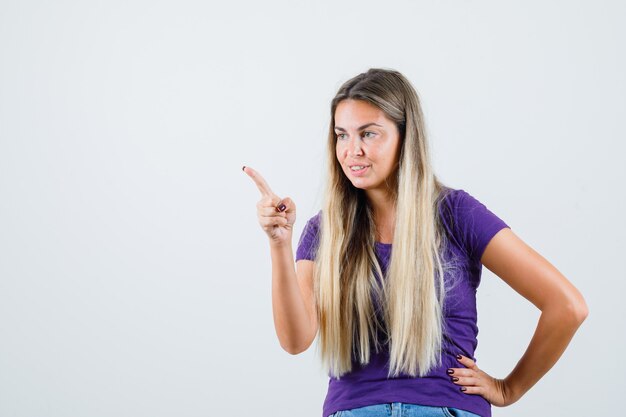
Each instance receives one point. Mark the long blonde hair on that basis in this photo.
(344, 280)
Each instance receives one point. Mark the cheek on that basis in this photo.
(391, 154)
(339, 152)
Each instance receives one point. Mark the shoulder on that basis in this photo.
(470, 221)
(450, 201)
(309, 238)
(456, 197)
(315, 220)
(458, 204)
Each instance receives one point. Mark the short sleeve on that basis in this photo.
(309, 239)
(476, 225)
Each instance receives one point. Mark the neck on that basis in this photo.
(384, 212)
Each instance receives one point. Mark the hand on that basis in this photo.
(276, 216)
(476, 381)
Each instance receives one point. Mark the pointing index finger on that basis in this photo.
(259, 181)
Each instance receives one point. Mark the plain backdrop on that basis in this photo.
(135, 279)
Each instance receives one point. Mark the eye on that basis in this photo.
(372, 134)
(339, 135)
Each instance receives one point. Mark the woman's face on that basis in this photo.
(365, 136)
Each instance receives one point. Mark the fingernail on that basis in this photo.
(455, 379)
(450, 371)
(463, 389)
(244, 168)
(282, 207)
(458, 356)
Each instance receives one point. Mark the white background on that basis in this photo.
(135, 279)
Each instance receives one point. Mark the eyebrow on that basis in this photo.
(362, 127)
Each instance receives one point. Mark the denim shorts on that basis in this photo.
(403, 410)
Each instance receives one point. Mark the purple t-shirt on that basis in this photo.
(469, 227)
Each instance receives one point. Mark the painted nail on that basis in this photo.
(463, 389)
(450, 371)
(282, 207)
(455, 379)
(458, 356)
(244, 168)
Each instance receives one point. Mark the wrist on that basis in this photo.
(513, 392)
(280, 244)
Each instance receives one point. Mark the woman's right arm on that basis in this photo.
(295, 319)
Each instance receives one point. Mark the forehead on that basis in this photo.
(353, 113)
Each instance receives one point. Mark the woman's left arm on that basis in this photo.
(562, 306)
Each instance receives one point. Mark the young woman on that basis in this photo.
(397, 328)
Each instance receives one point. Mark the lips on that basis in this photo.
(359, 172)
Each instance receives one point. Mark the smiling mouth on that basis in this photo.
(359, 171)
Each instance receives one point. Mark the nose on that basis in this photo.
(354, 148)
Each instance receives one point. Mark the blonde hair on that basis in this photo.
(414, 292)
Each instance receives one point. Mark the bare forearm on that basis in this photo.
(290, 316)
(555, 330)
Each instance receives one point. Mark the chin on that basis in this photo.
(359, 185)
